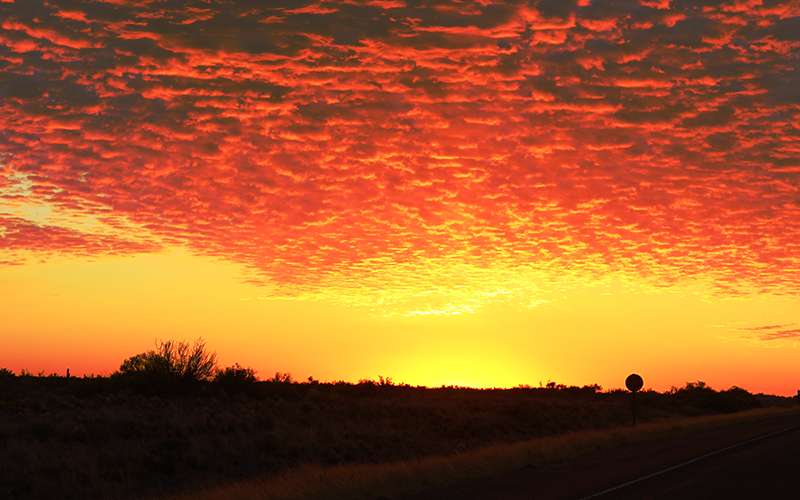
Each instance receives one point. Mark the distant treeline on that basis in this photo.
(176, 368)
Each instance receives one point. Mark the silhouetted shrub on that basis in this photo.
(235, 377)
(591, 389)
(7, 377)
(172, 360)
(703, 398)
(281, 378)
(735, 399)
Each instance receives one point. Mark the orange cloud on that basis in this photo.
(341, 139)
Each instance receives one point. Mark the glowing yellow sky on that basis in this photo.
(88, 314)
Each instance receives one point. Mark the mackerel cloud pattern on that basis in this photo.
(367, 145)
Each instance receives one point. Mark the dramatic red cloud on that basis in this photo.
(335, 140)
(18, 234)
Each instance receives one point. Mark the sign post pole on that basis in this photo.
(634, 383)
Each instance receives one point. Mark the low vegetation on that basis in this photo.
(439, 473)
(172, 360)
(170, 420)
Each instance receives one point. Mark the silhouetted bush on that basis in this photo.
(703, 398)
(172, 361)
(235, 378)
(281, 378)
(736, 399)
(6, 378)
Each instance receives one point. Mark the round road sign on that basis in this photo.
(634, 382)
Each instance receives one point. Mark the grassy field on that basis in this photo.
(406, 478)
(110, 438)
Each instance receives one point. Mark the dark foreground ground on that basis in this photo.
(728, 461)
(764, 469)
(106, 438)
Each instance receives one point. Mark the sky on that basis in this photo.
(484, 193)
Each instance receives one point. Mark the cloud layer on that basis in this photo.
(787, 331)
(351, 143)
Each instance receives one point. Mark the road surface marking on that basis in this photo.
(689, 462)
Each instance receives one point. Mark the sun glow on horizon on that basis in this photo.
(124, 303)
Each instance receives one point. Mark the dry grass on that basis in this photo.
(397, 479)
(111, 438)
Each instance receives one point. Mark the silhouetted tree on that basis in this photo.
(173, 360)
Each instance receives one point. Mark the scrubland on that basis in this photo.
(129, 437)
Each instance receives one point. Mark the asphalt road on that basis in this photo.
(769, 468)
(762, 469)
